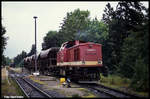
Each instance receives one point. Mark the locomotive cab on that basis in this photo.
(63, 55)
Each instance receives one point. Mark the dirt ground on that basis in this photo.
(52, 83)
(8, 87)
(19, 70)
(3, 73)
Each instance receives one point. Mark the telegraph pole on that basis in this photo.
(35, 45)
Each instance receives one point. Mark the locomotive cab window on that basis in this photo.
(62, 46)
(70, 44)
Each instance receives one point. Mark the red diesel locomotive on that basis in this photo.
(78, 60)
(82, 54)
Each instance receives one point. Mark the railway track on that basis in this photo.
(30, 90)
(110, 92)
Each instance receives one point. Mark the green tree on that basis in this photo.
(135, 56)
(3, 44)
(8, 61)
(74, 23)
(3, 39)
(108, 19)
(78, 26)
(120, 21)
(32, 51)
(96, 31)
(52, 39)
(19, 58)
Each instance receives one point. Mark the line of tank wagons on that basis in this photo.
(78, 60)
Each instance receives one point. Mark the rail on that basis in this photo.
(29, 89)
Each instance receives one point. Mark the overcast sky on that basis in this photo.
(17, 17)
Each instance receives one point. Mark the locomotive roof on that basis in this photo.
(76, 42)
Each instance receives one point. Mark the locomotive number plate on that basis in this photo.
(91, 49)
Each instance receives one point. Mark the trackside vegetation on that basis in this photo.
(123, 32)
(121, 83)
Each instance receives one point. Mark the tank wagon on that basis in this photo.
(80, 61)
(47, 61)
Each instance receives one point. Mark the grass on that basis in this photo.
(18, 90)
(76, 96)
(87, 94)
(115, 80)
(120, 83)
(36, 80)
(17, 69)
(8, 86)
(11, 89)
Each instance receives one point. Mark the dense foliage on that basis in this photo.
(51, 40)
(3, 44)
(32, 51)
(18, 60)
(123, 32)
(8, 61)
(77, 26)
(128, 41)
(73, 24)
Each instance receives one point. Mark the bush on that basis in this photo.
(112, 81)
(125, 80)
(140, 80)
(75, 95)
